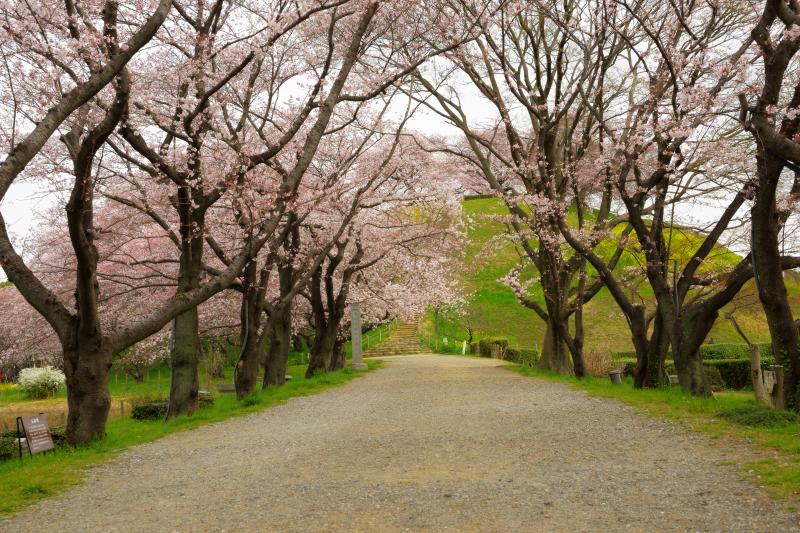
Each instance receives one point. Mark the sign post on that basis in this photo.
(355, 335)
(37, 434)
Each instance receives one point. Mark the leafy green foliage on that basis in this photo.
(732, 351)
(9, 448)
(485, 346)
(522, 356)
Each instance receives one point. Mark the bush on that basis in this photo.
(521, 356)
(486, 345)
(732, 351)
(9, 448)
(733, 373)
(40, 382)
(156, 409)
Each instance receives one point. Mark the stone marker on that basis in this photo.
(355, 335)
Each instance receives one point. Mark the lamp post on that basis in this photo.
(357, 361)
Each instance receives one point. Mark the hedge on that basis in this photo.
(9, 448)
(522, 356)
(723, 350)
(732, 351)
(722, 373)
(157, 409)
(485, 345)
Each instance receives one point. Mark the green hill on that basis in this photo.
(493, 310)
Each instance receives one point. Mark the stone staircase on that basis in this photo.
(404, 341)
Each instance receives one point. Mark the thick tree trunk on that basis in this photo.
(251, 347)
(769, 279)
(279, 344)
(339, 357)
(689, 332)
(555, 355)
(651, 355)
(87, 366)
(184, 359)
(319, 358)
(248, 364)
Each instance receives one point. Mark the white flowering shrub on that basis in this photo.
(40, 382)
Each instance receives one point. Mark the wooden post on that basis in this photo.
(122, 408)
(777, 394)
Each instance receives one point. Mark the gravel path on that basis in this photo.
(428, 443)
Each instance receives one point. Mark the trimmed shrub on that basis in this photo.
(521, 356)
(9, 448)
(733, 373)
(732, 351)
(156, 409)
(149, 409)
(40, 382)
(486, 345)
(528, 357)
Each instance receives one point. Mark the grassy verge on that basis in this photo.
(734, 414)
(23, 483)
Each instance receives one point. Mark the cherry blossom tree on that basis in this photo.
(543, 68)
(769, 112)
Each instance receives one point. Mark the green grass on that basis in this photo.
(25, 482)
(494, 311)
(729, 415)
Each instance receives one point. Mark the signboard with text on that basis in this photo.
(37, 433)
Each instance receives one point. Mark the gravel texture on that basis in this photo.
(427, 443)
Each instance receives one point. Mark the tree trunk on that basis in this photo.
(319, 358)
(689, 331)
(184, 358)
(650, 371)
(279, 344)
(339, 357)
(769, 278)
(248, 364)
(251, 347)
(87, 366)
(554, 351)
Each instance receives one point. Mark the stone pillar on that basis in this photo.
(355, 337)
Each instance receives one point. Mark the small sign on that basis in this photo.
(37, 433)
